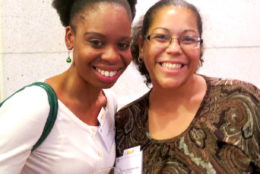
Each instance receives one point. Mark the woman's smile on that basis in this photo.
(108, 74)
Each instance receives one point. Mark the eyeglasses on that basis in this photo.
(187, 40)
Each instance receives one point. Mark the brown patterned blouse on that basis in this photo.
(224, 136)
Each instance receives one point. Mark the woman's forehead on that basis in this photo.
(171, 17)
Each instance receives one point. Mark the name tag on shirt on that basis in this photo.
(131, 162)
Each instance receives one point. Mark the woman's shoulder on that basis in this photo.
(228, 84)
(30, 100)
(29, 92)
(22, 119)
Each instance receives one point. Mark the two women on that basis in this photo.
(82, 139)
(187, 123)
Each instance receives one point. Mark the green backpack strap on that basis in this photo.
(53, 101)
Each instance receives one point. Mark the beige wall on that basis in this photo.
(1, 56)
(33, 44)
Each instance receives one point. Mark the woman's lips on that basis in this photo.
(108, 75)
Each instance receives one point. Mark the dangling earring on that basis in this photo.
(68, 60)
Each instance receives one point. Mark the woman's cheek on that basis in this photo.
(128, 57)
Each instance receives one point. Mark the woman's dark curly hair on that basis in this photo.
(67, 9)
(142, 27)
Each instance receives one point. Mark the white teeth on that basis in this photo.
(107, 73)
(171, 65)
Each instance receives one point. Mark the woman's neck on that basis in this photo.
(171, 111)
(71, 85)
(84, 100)
(194, 89)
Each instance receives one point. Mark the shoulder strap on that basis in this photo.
(52, 98)
(52, 114)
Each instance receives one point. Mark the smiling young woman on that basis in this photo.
(187, 122)
(98, 34)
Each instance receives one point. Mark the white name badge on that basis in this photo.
(131, 162)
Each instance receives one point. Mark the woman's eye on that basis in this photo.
(189, 39)
(123, 45)
(161, 37)
(96, 43)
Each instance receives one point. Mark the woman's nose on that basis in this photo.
(111, 54)
(174, 45)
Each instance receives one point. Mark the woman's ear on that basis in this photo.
(69, 37)
(141, 46)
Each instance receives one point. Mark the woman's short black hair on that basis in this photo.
(67, 9)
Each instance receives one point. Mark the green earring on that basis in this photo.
(68, 60)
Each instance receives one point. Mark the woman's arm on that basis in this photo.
(22, 118)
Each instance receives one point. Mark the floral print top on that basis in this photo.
(223, 138)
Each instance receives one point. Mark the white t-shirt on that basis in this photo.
(72, 147)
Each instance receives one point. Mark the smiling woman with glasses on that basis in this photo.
(187, 122)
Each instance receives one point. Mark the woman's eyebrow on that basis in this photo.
(161, 28)
(104, 36)
(94, 33)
